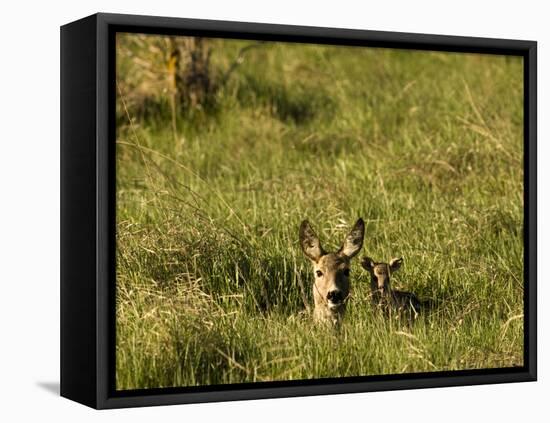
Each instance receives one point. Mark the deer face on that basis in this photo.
(331, 270)
(332, 273)
(380, 272)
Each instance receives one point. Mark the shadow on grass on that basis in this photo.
(296, 103)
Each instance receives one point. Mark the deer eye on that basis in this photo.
(319, 273)
(346, 272)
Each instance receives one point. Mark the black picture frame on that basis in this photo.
(88, 221)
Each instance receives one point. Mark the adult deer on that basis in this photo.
(331, 286)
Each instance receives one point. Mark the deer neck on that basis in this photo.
(380, 293)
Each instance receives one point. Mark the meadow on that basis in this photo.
(212, 286)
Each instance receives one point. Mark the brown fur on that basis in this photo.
(382, 293)
(331, 286)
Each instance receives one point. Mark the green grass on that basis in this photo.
(212, 287)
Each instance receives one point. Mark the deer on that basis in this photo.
(383, 295)
(331, 285)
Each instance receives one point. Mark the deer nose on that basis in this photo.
(335, 296)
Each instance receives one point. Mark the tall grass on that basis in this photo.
(212, 287)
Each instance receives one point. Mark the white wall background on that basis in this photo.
(29, 189)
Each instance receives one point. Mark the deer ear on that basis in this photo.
(354, 240)
(367, 263)
(395, 263)
(309, 241)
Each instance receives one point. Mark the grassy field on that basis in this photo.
(212, 286)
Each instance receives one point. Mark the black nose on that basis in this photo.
(335, 296)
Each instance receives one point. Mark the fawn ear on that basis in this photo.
(367, 263)
(309, 241)
(395, 263)
(354, 240)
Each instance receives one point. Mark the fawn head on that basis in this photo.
(380, 272)
(331, 270)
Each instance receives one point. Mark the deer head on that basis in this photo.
(331, 271)
(380, 273)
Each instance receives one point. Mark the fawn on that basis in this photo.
(383, 295)
(331, 286)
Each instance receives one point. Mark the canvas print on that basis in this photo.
(294, 211)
